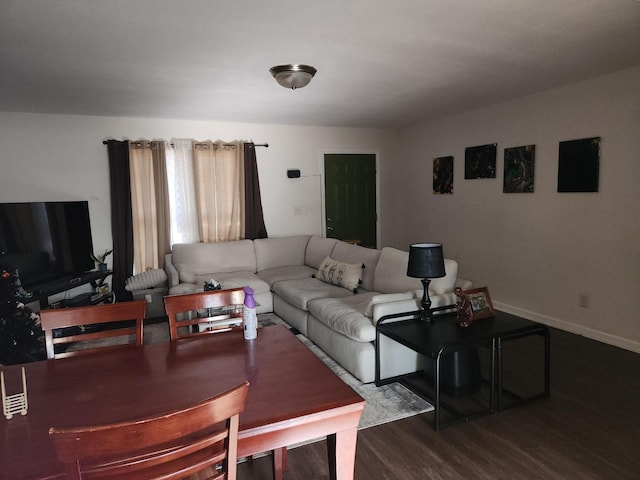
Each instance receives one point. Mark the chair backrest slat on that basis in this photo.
(170, 445)
(210, 312)
(88, 318)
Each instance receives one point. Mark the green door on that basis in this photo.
(350, 197)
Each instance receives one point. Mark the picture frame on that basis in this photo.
(519, 163)
(480, 305)
(480, 161)
(443, 175)
(579, 165)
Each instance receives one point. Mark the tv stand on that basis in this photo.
(41, 293)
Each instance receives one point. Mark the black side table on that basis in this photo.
(444, 336)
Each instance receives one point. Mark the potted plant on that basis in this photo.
(101, 259)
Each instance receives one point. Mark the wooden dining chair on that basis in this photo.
(199, 438)
(91, 329)
(213, 311)
(206, 312)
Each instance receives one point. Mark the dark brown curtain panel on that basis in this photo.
(121, 223)
(254, 219)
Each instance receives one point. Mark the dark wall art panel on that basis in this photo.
(579, 165)
(480, 161)
(519, 169)
(443, 175)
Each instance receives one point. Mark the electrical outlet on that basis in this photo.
(148, 298)
(583, 300)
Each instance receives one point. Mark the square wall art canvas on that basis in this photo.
(442, 175)
(579, 165)
(480, 161)
(518, 169)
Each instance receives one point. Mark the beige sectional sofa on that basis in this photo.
(283, 273)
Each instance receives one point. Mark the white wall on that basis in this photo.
(61, 157)
(538, 252)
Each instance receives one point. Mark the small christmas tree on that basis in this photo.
(21, 336)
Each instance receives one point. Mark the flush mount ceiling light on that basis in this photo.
(293, 76)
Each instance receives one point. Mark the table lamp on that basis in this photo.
(426, 262)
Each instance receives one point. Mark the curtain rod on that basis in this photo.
(104, 142)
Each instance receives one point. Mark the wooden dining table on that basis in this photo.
(293, 396)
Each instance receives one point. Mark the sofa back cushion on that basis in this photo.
(194, 259)
(345, 252)
(445, 284)
(391, 272)
(280, 251)
(442, 285)
(318, 249)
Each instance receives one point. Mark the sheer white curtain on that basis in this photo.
(147, 204)
(205, 186)
(182, 194)
(219, 185)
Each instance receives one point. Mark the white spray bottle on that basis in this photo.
(249, 318)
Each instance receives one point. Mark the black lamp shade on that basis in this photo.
(426, 261)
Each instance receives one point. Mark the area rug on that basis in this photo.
(383, 404)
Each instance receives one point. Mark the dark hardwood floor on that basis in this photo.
(588, 429)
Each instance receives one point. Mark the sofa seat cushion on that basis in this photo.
(301, 291)
(235, 280)
(346, 315)
(182, 288)
(293, 272)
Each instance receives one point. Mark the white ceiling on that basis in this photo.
(381, 63)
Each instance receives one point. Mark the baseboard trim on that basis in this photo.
(603, 337)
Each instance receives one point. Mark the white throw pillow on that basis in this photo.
(346, 275)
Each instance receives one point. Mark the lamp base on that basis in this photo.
(427, 314)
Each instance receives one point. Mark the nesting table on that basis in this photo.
(443, 336)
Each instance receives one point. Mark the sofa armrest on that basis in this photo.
(391, 308)
(408, 306)
(464, 284)
(173, 277)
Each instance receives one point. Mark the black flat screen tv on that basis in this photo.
(46, 241)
